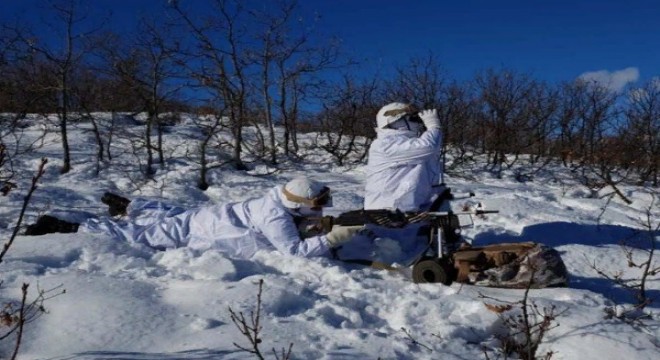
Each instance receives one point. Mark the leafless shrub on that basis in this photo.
(639, 255)
(207, 146)
(251, 329)
(14, 316)
(633, 316)
(26, 201)
(14, 144)
(414, 341)
(524, 326)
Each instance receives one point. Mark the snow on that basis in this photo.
(125, 301)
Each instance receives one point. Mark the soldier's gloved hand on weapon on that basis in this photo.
(341, 234)
(368, 234)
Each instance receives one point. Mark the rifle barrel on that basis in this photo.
(475, 212)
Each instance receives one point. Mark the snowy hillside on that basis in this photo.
(123, 301)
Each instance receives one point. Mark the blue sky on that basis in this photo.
(553, 40)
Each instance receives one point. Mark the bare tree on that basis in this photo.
(292, 91)
(420, 81)
(642, 131)
(457, 109)
(261, 62)
(19, 95)
(598, 143)
(147, 67)
(92, 93)
(62, 59)
(505, 97)
(289, 60)
(347, 119)
(160, 50)
(210, 123)
(538, 126)
(223, 63)
(567, 121)
(123, 96)
(272, 39)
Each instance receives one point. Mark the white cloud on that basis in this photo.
(615, 80)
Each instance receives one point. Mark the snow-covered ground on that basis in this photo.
(123, 301)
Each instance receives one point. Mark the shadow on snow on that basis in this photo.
(566, 233)
(121, 355)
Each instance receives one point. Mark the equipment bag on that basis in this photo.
(511, 265)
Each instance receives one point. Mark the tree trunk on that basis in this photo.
(66, 163)
(149, 171)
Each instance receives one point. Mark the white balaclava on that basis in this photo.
(395, 116)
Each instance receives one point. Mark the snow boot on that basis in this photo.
(47, 224)
(116, 204)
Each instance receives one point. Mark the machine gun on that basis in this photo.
(399, 219)
(386, 218)
(447, 257)
(440, 226)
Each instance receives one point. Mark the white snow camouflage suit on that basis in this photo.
(400, 174)
(238, 229)
(402, 170)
